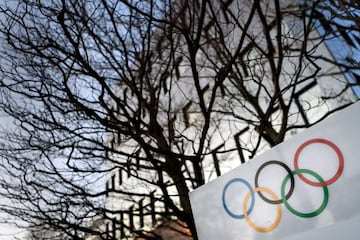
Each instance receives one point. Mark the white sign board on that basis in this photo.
(305, 188)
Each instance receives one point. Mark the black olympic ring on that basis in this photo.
(292, 181)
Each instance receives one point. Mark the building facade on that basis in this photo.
(300, 66)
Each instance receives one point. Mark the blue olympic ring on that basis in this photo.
(238, 216)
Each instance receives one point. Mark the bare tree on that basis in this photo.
(153, 99)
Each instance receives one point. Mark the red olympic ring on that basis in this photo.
(338, 153)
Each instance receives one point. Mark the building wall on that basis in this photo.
(307, 107)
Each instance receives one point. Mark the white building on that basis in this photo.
(307, 82)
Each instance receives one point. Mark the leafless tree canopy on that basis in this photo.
(138, 102)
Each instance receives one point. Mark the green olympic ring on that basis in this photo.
(291, 209)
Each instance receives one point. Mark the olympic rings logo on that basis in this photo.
(275, 200)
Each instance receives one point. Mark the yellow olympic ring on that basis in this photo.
(279, 212)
